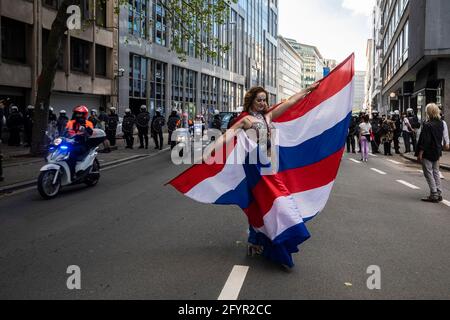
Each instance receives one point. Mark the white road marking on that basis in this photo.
(355, 161)
(409, 185)
(447, 203)
(373, 155)
(378, 171)
(394, 162)
(234, 283)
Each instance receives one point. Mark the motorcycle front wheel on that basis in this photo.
(47, 189)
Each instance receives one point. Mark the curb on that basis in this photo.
(31, 183)
(413, 159)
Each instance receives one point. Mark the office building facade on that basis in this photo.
(415, 56)
(290, 70)
(154, 75)
(85, 72)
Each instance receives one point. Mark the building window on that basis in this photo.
(160, 24)
(100, 13)
(45, 35)
(100, 60)
(138, 77)
(184, 89)
(80, 55)
(137, 18)
(13, 40)
(158, 86)
(210, 93)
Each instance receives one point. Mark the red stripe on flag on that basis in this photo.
(337, 80)
(290, 182)
(199, 172)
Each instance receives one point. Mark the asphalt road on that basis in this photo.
(134, 238)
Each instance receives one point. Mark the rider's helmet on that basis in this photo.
(81, 111)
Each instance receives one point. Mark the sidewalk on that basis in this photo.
(21, 170)
(445, 160)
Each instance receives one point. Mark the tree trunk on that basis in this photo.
(47, 76)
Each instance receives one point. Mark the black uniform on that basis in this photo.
(376, 129)
(397, 133)
(61, 124)
(158, 123)
(172, 124)
(127, 128)
(351, 135)
(14, 124)
(111, 128)
(142, 124)
(28, 126)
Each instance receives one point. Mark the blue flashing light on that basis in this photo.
(64, 147)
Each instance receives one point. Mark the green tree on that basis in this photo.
(193, 22)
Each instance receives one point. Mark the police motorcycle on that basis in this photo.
(57, 174)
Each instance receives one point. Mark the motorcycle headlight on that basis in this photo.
(57, 141)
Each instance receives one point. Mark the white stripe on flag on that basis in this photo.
(323, 117)
(234, 283)
(287, 212)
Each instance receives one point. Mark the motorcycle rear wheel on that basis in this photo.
(93, 177)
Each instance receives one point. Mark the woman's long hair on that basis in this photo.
(250, 98)
(433, 112)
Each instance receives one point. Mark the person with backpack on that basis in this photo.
(128, 123)
(111, 126)
(157, 125)
(142, 124)
(172, 124)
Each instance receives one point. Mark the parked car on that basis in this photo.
(226, 117)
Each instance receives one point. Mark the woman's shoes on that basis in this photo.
(254, 250)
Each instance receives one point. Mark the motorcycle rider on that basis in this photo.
(142, 123)
(80, 129)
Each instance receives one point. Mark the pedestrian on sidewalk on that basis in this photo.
(429, 151)
(407, 132)
(129, 120)
(158, 124)
(172, 124)
(352, 134)
(14, 124)
(398, 131)
(28, 125)
(142, 124)
(111, 126)
(387, 134)
(365, 130)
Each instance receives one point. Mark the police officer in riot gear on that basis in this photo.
(129, 120)
(143, 123)
(376, 129)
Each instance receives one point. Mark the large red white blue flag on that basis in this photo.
(311, 141)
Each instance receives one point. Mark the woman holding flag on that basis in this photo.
(280, 196)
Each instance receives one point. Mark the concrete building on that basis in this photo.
(155, 76)
(359, 91)
(369, 77)
(86, 69)
(415, 54)
(313, 62)
(376, 57)
(290, 70)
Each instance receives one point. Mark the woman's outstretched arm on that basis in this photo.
(282, 108)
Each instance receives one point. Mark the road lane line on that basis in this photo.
(355, 161)
(447, 203)
(234, 283)
(409, 185)
(378, 171)
(394, 162)
(373, 155)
